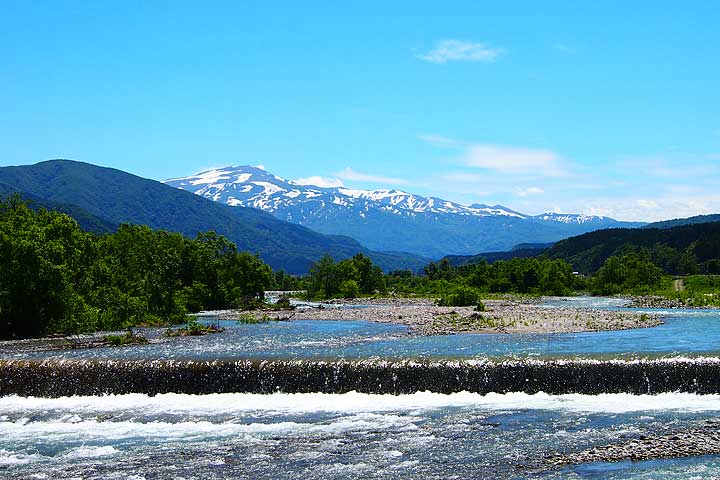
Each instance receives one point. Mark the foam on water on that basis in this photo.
(84, 452)
(8, 458)
(352, 402)
(103, 431)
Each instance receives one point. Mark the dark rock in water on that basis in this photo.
(704, 440)
(69, 377)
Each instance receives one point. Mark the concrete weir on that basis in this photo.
(71, 377)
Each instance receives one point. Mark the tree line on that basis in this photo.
(57, 278)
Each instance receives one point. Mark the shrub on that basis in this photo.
(349, 289)
(460, 297)
(193, 328)
(250, 318)
(127, 339)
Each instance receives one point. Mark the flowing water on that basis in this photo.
(685, 332)
(363, 435)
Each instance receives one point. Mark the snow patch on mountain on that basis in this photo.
(255, 187)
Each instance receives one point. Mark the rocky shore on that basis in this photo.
(661, 302)
(703, 440)
(500, 316)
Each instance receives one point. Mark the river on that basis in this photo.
(319, 435)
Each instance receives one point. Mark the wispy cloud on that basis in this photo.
(515, 160)
(351, 175)
(318, 181)
(505, 159)
(529, 191)
(460, 51)
(438, 140)
(336, 180)
(653, 209)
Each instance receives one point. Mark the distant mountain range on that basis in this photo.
(388, 220)
(678, 222)
(102, 198)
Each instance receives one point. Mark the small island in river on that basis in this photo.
(424, 317)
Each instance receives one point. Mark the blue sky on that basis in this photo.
(591, 107)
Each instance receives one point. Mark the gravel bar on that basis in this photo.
(500, 316)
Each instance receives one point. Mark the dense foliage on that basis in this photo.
(57, 278)
(348, 279)
(683, 250)
(630, 273)
(519, 275)
(531, 276)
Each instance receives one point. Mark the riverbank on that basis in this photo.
(654, 301)
(500, 316)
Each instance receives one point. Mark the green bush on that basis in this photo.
(460, 297)
(193, 328)
(127, 339)
(349, 289)
(250, 318)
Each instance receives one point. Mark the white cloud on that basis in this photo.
(438, 140)
(317, 181)
(515, 160)
(351, 175)
(530, 191)
(457, 50)
(653, 209)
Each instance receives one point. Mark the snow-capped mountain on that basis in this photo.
(253, 187)
(390, 220)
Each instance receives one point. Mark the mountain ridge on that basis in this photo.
(388, 219)
(669, 248)
(119, 197)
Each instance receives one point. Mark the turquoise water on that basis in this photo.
(684, 333)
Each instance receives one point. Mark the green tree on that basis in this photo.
(688, 264)
(630, 273)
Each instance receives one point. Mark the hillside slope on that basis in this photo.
(679, 222)
(666, 247)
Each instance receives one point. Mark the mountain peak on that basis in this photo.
(385, 219)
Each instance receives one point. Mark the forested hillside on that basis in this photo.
(687, 249)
